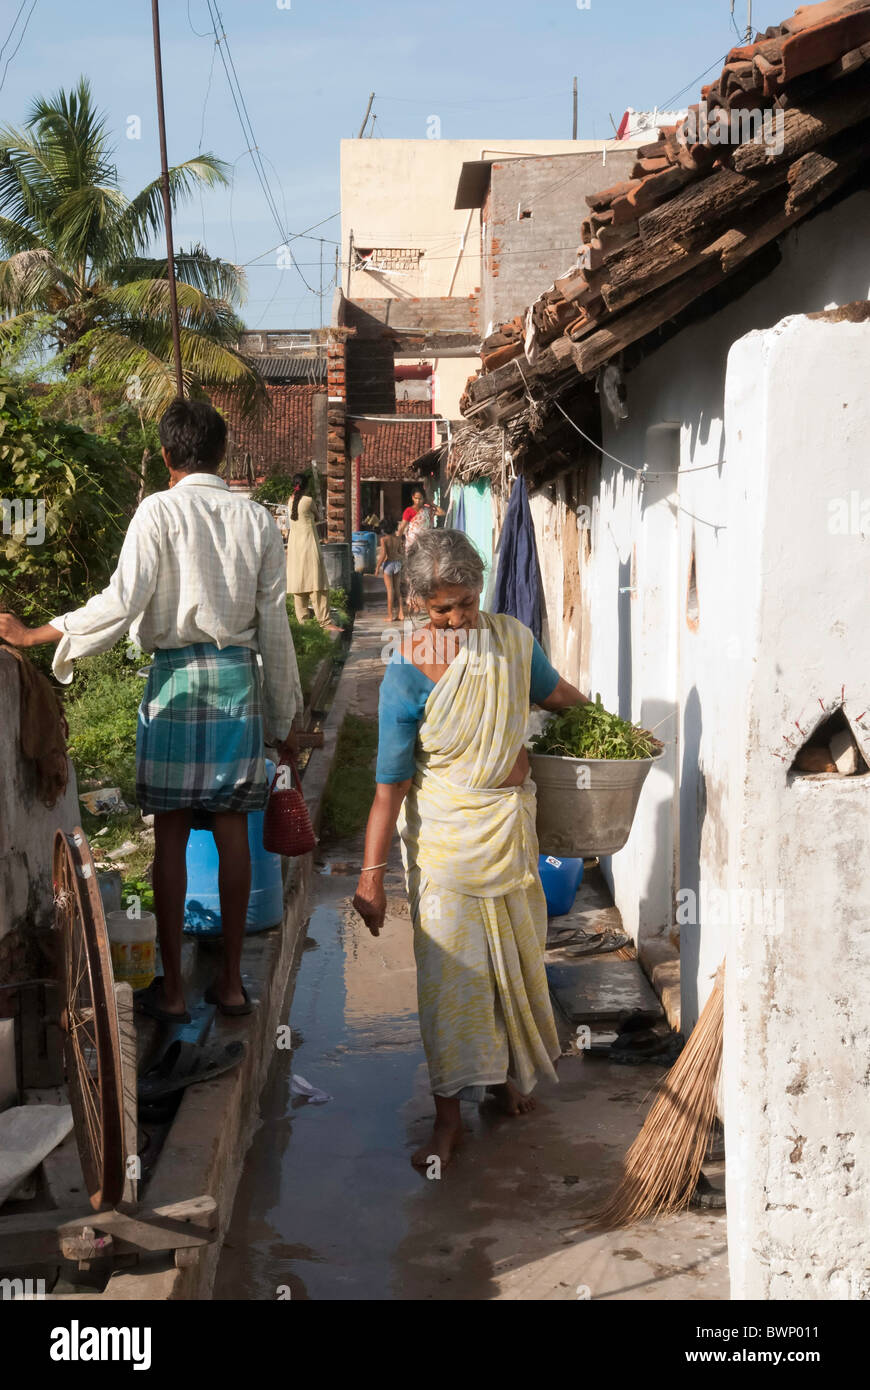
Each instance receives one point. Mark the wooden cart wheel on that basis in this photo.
(89, 1018)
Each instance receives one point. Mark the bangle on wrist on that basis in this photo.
(369, 868)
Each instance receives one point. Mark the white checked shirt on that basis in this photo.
(198, 564)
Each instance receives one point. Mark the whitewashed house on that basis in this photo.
(704, 544)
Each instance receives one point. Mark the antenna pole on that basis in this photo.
(167, 201)
(366, 117)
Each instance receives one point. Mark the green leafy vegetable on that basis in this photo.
(591, 731)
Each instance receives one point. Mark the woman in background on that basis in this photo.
(390, 561)
(306, 572)
(419, 517)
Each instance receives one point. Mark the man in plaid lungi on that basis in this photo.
(200, 583)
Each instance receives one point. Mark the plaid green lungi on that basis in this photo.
(199, 740)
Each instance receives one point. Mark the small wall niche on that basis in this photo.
(831, 750)
(693, 611)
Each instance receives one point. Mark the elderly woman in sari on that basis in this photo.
(453, 772)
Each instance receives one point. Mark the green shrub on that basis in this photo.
(311, 643)
(350, 786)
(103, 713)
(340, 605)
(138, 888)
(88, 485)
(276, 489)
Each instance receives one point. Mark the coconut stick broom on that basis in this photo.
(662, 1167)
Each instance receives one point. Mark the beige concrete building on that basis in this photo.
(403, 238)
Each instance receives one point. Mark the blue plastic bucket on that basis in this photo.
(202, 908)
(560, 879)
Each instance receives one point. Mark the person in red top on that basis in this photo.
(420, 516)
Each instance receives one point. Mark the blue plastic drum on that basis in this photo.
(360, 552)
(202, 908)
(371, 540)
(560, 879)
(364, 545)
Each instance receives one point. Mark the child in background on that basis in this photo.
(390, 561)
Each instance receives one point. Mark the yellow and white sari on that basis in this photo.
(471, 853)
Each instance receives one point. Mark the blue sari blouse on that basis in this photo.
(404, 692)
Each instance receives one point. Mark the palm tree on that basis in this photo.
(76, 269)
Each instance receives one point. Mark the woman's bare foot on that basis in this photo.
(444, 1141)
(511, 1100)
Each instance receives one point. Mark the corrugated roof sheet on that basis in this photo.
(292, 366)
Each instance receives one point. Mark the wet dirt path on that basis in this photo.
(329, 1206)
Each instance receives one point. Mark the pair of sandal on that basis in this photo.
(147, 1002)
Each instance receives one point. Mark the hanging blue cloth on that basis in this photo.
(459, 515)
(517, 584)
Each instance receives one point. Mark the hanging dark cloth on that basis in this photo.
(459, 515)
(43, 729)
(518, 584)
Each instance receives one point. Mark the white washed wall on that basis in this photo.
(682, 385)
(782, 625)
(797, 1027)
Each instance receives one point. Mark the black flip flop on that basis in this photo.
(185, 1064)
(145, 1001)
(229, 1010)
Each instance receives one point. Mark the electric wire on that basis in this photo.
(14, 27)
(614, 142)
(241, 108)
(20, 40)
(200, 33)
(644, 472)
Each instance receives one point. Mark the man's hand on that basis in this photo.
(289, 748)
(13, 631)
(370, 900)
(17, 635)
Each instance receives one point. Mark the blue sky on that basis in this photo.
(492, 70)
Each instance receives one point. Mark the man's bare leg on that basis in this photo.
(169, 880)
(234, 885)
(446, 1133)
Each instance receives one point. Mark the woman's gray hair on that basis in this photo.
(438, 558)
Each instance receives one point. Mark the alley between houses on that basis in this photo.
(329, 1207)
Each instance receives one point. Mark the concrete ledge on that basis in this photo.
(661, 964)
(215, 1123)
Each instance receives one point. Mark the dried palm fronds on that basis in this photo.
(661, 1169)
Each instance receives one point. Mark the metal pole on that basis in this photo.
(574, 131)
(167, 203)
(748, 21)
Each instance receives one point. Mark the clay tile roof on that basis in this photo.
(784, 128)
(282, 438)
(391, 449)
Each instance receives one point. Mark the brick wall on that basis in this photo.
(338, 492)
